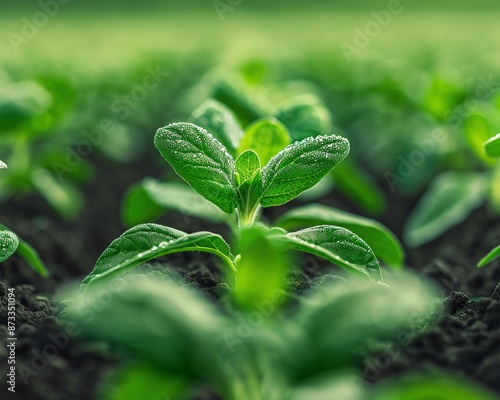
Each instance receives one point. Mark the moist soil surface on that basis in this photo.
(53, 364)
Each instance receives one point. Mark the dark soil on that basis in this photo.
(462, 341)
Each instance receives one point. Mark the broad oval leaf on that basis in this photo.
(448, 201)
(492, 146)
(148, 241)
(300, 166)
(490, 257)
(201, 160)
(247, 165)
(220, 121)
(339, 246)
(338, 320)
(266, 137)
(382, 241)
(28, 253)
(8, 244)
(148, 199)
(305, 116)
(162, 321)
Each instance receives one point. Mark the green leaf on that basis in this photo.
(247, 165)
(138, 207)
(424, 386)
(146, 242)
(146, 382)
(246, 103)
(254, 72)
(62, 196)
(449, 200)
(338, 320)
(492, 146)
(150, 198)
(161, 322)
(300, 166)
(490, 257)
(477, 130)
(8, 244)
(201, 160)
(305, 116)
(339, 246)
(123, 145)
(31, 256)
(266, 137)
(482, 122)
(21, 101)
(359, 186)
(382, 241)
(28, 253)
(220, 121)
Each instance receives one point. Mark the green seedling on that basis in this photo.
(294, 120)
(150, 198)
(240, 188)
(36, 151)
(184, 343)
(452, 196)
(10, 243)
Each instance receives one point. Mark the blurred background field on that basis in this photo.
(414, 85)
(389, 72)
(117, 32)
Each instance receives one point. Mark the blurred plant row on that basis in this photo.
(413, 129)
(412, 126)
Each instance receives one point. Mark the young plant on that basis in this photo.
(148, 199)
(28, 138)
(241, 188)
(10, 243)
(292, 121)
(184, 344)
(452, 196)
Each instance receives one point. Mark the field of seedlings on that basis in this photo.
(249, 200)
